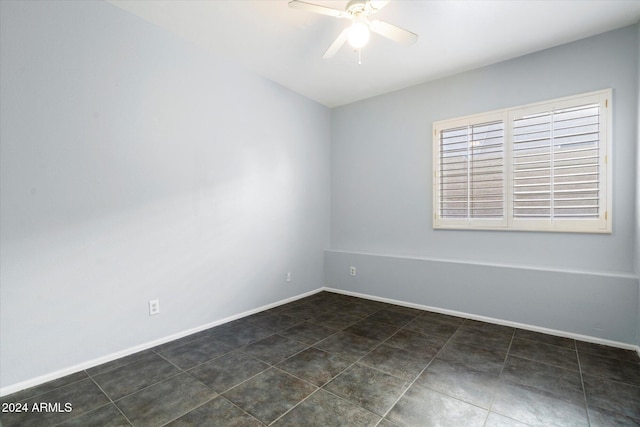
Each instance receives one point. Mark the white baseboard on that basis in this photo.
(13, 388)
(117, 355)
(524, 326)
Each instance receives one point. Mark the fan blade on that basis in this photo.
(392, 32)
(337, 44)
(310, 7)
(376, 5)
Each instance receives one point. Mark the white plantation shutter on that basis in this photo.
(471, 167)
(556, 164)
(537, 167)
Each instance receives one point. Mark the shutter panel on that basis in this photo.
(556, 164)
(471, 170)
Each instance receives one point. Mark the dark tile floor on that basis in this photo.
(336, 360)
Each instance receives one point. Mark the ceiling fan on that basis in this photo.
(358, 11)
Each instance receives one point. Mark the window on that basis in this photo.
(538, 167)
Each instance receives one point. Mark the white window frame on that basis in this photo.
(601, 224)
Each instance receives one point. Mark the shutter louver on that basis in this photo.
(556, 164)
(472, 171)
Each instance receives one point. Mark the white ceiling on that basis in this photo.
(286, 45)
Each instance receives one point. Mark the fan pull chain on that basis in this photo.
(360, 56)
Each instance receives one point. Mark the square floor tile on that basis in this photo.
(433, 316)
(335, 320)
(460, 381)
(537, 408)
(391, 317)
(546, 353)
(395, 361)
(270, 394)
(273, 349)
(228, 371)
(546, 339)
(487, 328)
(225, 327)
(241, 335)
(304, 311)
(359, 308)
(273, 322)
(614, 369)
(612, 396)
(368, 387)
(118, 363)
(603, 418)
(346, 345)
(165, 401)
(328, 304)
(425, 344)
(323, 409)
(135, 376)
(482, 339)
(414, 312)
(607, 351)
(308, 333)
(171, 345)
(548, 378)
(423, 407)
(480, 359)
(434, 326)
(497, 420)
(195, 352)
(315, 366)
(369, 329)
(219, 412)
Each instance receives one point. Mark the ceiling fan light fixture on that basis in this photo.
(358, 35)
(358, 12)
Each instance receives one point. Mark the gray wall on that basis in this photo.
(137, 166)
(381, 172)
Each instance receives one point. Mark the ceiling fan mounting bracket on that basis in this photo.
(357, 7)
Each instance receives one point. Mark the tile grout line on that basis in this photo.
(584, 390)
(543, 361)
(308, 346)
(338, 374)
(180, 372)
(273, 366)
(110, 399)
(295, 406)
(295, 376)
(504, 363)
(333, 378)
(420, 373)
(350, 402)
(218, 396)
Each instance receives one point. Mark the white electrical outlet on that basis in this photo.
(154, 307)
(352, 271)
(288, 277)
